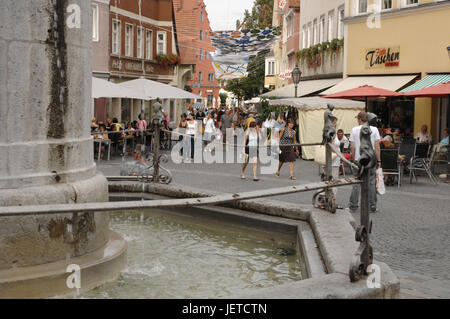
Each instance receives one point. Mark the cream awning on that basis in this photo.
(304, 88)
(391, 82)
(317, 103)
(105, 89)
(154, 90)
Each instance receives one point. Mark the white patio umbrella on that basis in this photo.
(154, 90)
(102, 88)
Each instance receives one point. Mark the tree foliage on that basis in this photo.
(260, 16)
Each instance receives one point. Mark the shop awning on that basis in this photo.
(304, 88)
(391, 82)
(428, 81)
(105, 89)
(317, 103)
(153, 90)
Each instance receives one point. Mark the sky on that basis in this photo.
(224, 13)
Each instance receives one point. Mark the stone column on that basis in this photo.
(116, 109)
(46, 150)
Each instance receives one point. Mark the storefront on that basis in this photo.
(402, 48)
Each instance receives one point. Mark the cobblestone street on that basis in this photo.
(410, 233)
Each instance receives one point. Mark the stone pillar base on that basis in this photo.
(50, 280)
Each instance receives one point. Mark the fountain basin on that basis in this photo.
(326, 245)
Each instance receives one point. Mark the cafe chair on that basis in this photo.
(420, 162)
(391, 164)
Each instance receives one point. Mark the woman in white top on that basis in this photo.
(191, 131)
(210, 130)
(423, 136)
(251, 150)
(336, 162)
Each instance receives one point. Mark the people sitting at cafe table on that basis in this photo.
(101, 135)
(443, 145)
(423, 136)
(387, 142)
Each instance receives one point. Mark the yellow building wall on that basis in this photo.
(423, 38)
(422, 114)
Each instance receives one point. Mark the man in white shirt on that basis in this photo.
(343, 141)
(423, 136)
(355, 145)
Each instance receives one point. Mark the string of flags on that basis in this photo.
(234, 49)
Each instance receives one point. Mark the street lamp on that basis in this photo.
(296, 74)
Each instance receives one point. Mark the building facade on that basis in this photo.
(321, 40)
(282, 59)
(193, 30)
(134, 39)
(396, 43)
(100, 51)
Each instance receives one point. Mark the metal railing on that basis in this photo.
(363, 256)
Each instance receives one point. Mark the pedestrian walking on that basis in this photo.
(191, 131)
(251, 150)
(210, 131)
(336, 163)
(226, 122)
(141, 129)
(355, 144)
(287, 153)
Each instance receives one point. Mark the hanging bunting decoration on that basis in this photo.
(234, 49)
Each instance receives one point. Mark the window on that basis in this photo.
(309, 35)
(95, 22)
(290, 26)
(201, 16)
(206, 35)
(210, 99)
(200, 56)
(411, 2)
(128, 40)
(162, 45)
(210, 77)
(386, 4)
(115, 45)
(200, 77)
(362, 6)
(304, 35)
(149, 44)
(322, 30)
(201, 35)
(140, 43)
(271, 68)
(206, 55)
(341, 24)
(330, 26)
(315, 38)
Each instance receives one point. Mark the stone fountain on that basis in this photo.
(46, 151)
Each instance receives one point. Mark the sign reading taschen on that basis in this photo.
(382, 58)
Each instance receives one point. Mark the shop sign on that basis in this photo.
(382, 58)
(285, 76)
(116, 64)
(131, 66)
(282, 4)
